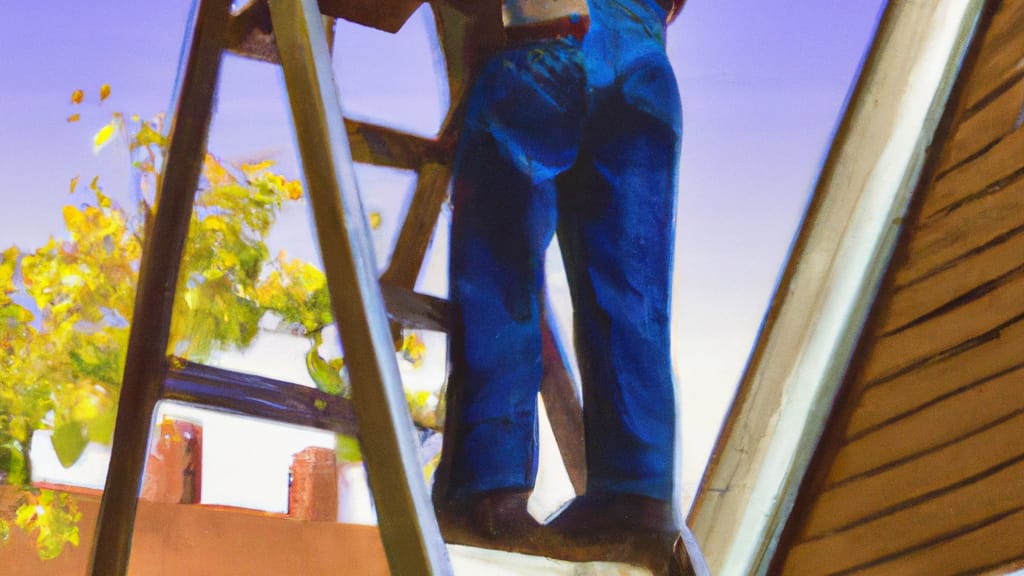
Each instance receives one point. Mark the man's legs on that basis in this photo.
(522, 128)
(616, 229)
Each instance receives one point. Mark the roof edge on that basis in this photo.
(830, 280)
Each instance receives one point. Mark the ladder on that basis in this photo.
(293, 34)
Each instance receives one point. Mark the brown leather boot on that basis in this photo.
(499, 515)
(628, 528)
(597, 514)
(502, 514)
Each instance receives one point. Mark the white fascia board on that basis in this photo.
(832, 277)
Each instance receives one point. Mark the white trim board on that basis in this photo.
(831, 279)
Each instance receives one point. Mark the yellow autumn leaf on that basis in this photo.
(74, 184)
(252, 169)
(308, 276)
(146, 136)
(74, 118)
(375, 220)
(76, 96)
(216, 172)
(294, 189)
(95, 184)
(276, 180)
(413, 349)
(226, 259)
(85, 410)
(102, 199)
(104, 92)
(214, 223)
(103, 136)
(8, 261)
(73, 218)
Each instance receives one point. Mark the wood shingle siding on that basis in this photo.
(921, 468)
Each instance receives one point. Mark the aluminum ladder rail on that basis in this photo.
(412, 541)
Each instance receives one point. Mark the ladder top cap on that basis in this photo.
(386, 15)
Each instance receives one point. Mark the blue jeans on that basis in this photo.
(544, 148)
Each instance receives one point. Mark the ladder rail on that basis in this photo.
(146, 361)
(412, 539)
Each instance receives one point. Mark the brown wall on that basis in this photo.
(195, 540)
(921, 469)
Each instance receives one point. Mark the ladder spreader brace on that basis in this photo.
(300, 44)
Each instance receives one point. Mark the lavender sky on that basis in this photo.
(762, 82)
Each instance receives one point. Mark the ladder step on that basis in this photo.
(383, 146)
(415, 310)
(287, 402)
(665, 556)
(259, 397)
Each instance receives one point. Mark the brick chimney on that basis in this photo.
(175, 462)
(313, 485)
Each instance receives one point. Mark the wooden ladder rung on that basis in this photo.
(383, 146)
(251, 395)
(414, 310)
(667, 554)
(265, 398)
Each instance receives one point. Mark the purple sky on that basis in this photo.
(762, 82)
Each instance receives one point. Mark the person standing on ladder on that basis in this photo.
(575, 125)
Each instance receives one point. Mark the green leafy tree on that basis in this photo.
(66, 307)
